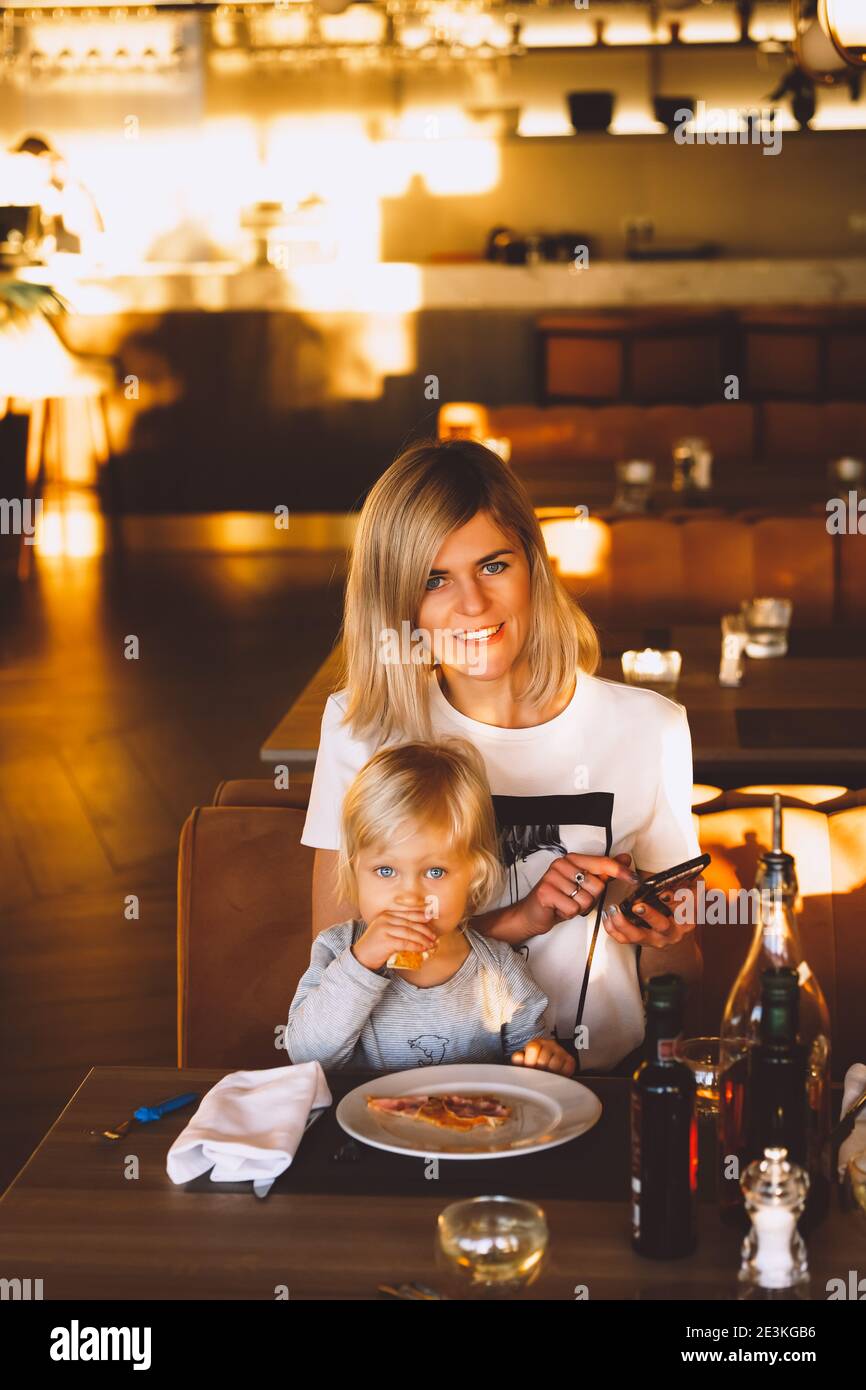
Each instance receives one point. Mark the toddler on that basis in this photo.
(418, 860)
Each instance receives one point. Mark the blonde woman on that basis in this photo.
(419, 835)
(454, 623)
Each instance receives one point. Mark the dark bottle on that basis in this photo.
(664, 1136)
(776, 1099)
(772, 1095)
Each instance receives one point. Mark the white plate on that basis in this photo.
(546, 1110)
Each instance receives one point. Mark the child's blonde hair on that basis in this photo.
(432, 489)
(422, 783)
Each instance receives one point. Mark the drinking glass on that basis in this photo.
(490, 1247)
(847, 472)
(767, 621)
(634, 485)
(856, 1173)
(693, 465)
(703, 1057)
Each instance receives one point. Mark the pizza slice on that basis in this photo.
(455, 1112)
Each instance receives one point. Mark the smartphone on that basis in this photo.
(667, 880)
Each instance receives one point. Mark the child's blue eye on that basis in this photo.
(496, 566)
(384, 871)
(436, 873)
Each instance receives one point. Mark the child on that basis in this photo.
(418, 858)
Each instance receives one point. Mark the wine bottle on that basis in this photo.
(775, 944)
(776, 1104)
(664, 1136)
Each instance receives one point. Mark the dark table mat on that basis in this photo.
(801, 728)
(593, 1167)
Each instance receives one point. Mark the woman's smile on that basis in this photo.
(479, 635)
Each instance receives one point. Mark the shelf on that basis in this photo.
(658, 135)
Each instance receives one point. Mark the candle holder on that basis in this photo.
(658, 670)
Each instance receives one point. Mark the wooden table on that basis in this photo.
(72, 1218)
(820, 697)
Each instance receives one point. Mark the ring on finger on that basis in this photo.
(579, 877)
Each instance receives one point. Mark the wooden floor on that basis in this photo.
(101, 759)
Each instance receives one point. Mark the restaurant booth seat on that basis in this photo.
(662, 570)
(244, 929)
(263, 791)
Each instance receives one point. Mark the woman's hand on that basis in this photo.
(407, 930)
(660, 931)
(570, 888)
(546, 1053)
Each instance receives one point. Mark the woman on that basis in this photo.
(455, 624)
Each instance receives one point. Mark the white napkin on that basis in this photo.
(249, 1126)
(855, 1085)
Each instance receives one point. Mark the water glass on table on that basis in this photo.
(767, 622)
(490, 1247)
(635, 479)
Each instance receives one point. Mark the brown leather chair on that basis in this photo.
(261, 791)
(851, 581)
(718, 566)
(646, 566)
(793, 558)
(243, 934)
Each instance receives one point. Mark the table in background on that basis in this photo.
(803, 711)
(333, 1230)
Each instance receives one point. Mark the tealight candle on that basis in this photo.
(500, 446)
(658, 670)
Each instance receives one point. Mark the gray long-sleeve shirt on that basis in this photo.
(343, 1013)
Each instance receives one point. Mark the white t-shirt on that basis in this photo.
(611, 773)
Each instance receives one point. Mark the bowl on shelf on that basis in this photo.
(666, 110)
(590, 111)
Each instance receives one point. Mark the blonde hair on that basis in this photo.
(421, 784)
(430, 490)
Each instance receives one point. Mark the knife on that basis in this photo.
(145, 1114)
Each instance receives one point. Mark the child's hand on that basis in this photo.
(544, 1052)
(406, 930)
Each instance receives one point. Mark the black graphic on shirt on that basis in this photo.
(433, 1047)
(517, 842)
(535, 830)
